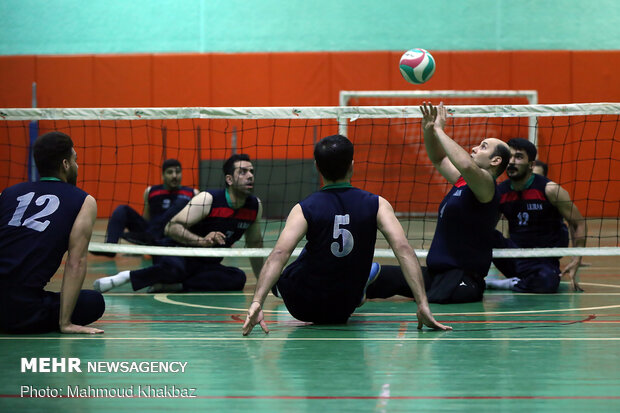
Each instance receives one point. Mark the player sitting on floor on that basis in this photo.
(535, 208)
(161, 203)
(212, 219)
(460, 254)
(327, 282)
(39, 222)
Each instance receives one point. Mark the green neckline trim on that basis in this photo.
(50, 178)
(337, 186)
(527, 184)
(228, 200)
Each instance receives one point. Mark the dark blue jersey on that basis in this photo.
(342, 230)
(35, 223)
(164, 204)
(223, 218)
(533, 221)
(161, 199)
(464, 235)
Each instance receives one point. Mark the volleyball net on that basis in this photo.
(121, 150)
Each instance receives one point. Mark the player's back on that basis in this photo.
(342, 231)
(35, 222)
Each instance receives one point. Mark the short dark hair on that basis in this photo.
(524, 145)
(543, 165)
(169, 163)
(50, 150)
(503, 152)
(229, 165)
(333, 155)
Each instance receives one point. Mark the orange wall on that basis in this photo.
(292, 79)
(286, 79)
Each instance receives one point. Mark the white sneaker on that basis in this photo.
(105, 284)
(505, 284)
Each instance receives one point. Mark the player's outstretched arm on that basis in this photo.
(479, 180)
(560, 198)
(434, 149)
(294, 230)
(393, 232)
(75, 268)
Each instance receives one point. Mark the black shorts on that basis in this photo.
(316, 302)
(453, 286)
(24, 312)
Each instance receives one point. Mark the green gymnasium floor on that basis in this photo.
(509, 353)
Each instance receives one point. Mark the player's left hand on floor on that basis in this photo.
(255, 316)
(77, 329)
(426, 318)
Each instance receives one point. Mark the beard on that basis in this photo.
(72, 177)
(515, 174)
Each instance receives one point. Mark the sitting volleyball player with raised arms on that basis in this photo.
(328, 280)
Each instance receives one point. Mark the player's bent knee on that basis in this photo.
(238, 281)
(89, 307)
(549, 281)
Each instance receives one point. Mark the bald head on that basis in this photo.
(492, 155)
(502, 150)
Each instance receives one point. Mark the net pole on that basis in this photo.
(33, 131)
(532, 99)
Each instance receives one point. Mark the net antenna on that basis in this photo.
(121, 148)
(346, 96)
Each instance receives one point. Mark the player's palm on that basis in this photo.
(429, 113)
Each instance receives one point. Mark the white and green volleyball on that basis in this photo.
(417, 66)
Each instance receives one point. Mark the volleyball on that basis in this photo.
(417, 66)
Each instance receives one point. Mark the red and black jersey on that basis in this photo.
(161, 199)
(533, 222)
(223, 218)
(164, 204)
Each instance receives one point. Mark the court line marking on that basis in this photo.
(386, 339)
(389, 397)
(495, 293)
(601, 285)
(217, 294)
(237, 320)
(379, 398)
(164, 299)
